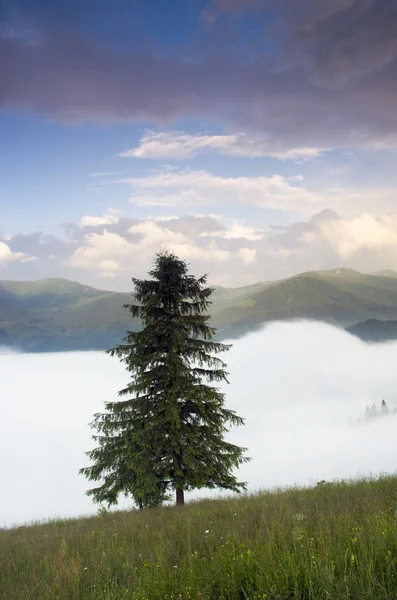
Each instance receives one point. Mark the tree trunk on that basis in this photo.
(180, 497)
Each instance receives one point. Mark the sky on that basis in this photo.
(254, 138)
(301, 421)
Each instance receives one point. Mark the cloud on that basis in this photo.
(237, 231)
(186, 188)
(234, 251)
(110, 217)
(7, 255)
(338, 42)
(352, 236)
(101, 250)
(327, 240)
(247, 255)
(327, 82)
(193, 226)
(107, 252)
(317, 378)
(106, 173)
(308, 11)
(180, 145)
(200, 188)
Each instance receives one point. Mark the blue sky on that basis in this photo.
(253, 139)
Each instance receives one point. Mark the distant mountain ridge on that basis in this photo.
(58, 314)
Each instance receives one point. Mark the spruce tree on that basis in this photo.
(384, 408)
(168, 434)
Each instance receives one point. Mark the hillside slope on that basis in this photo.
(52, 315)
(374, 330)
(57, 314)
(334, 540)
(341, 297)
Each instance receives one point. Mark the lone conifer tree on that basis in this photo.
(169, 432)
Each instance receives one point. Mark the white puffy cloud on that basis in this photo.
(181, 145)
(112, 216)
(233, 251)
(7, 255)
(100, 248)
(109, 252)
(351, 236)
(154, 236)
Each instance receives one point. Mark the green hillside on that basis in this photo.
(341, 297)
(57, 314)
(374, 330)
(334, 541)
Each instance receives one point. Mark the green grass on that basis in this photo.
(334, 541)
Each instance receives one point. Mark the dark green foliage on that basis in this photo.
(169, 432)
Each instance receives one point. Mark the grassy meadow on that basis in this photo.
(331, 542)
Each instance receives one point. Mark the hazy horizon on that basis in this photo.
(296, 384)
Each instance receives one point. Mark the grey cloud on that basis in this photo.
(121, 227)
(298, 14)
(193, 226)
(38, 244)
(336, 41)
(334, 84)
(351, 43)
(290, 235)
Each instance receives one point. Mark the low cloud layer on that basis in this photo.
(297, 385)
(331, 83)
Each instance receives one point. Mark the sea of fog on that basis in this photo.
(298, 386)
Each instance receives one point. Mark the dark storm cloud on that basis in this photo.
(333, 83)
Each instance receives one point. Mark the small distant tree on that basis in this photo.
(384, 408)
(168, 434)
(374, 410)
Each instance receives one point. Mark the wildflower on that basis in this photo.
(300, 517)
(207, 531)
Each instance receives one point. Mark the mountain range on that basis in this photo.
(59, 315)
